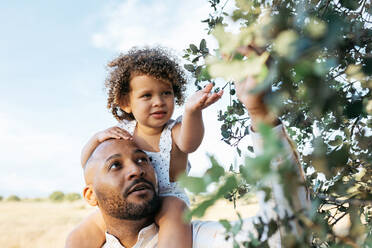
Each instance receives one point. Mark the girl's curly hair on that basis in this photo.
(154, 62)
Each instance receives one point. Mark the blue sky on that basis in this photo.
(52, 70)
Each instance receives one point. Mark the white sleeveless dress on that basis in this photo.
(161, 160)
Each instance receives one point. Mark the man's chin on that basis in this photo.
(139, 208)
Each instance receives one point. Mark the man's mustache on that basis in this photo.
(136, 181)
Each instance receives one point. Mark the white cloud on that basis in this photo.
(173, 24)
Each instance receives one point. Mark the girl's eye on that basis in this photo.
(167, 93)
(115, 166)
(146, 95)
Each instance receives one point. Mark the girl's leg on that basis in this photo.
(173, 231)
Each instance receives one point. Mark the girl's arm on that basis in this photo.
(189, 134)
(110, 133)
(88, 234)
(173, 231)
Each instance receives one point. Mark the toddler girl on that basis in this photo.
(143, 86)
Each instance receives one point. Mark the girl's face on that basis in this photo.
(150, 100)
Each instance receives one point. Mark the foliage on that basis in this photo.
(72, 197)
(13, 198)
(316, 56)
(1, 198)
(57, 196)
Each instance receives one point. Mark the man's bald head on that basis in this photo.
(98, 155)
(121, 180)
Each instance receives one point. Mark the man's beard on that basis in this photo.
(118, 207)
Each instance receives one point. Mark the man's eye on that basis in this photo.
(142, 160)
(115, 166)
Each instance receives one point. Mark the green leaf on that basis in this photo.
(354, 109)
(198, 71)
(226, 224)
(284, 44)
(267, 191)
(238, 70)
(196, 59)
(338, 158)
(250, 148)
(256, 169)
(273, 227)
(203, 45)
(229, 185)
(367, 68)
(350, 4)
(225, 134)
(216, 171)
(194, 184)
(199, 211)
(194, 48)
(235, 229)
(189, 67)
(239, 151)
(337, 141)
(246, 131)
(204, 75)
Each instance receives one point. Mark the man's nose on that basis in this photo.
(134, 170)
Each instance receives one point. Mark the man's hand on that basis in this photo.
(254, 103)
(202, 99)
(113, 133)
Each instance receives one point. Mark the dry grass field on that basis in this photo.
(44, 224)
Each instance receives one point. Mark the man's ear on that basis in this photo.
(89, 195)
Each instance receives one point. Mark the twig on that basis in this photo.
(341, 202)
(354, 124)
(326, 7)
(342, 216)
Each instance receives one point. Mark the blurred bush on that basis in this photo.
(57, 196)
(72, 197)
(13, 198)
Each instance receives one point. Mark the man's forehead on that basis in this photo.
(114, 146)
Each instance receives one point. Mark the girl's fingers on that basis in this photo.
(202, 100)
(212, 99)
(124, 136)
(122, 133)
(114, 136)
(208, 88)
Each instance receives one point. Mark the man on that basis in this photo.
(122, 183)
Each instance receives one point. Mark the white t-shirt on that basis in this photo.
(206, 234)
(211, 234)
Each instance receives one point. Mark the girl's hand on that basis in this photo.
(113, 133)
(202, 99)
